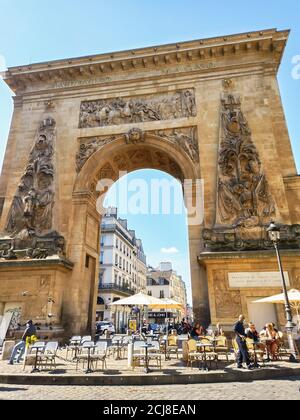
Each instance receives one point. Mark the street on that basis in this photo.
(287, 389)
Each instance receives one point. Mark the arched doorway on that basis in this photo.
(144, 242)
(127, 153)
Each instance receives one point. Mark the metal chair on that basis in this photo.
(155, 354)
(100, 354)
(85, 338)
(85, 353)
(73, 345)
(139, 354)
(49, 355)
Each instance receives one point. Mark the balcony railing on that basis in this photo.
(116, 287)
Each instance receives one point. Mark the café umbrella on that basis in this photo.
(294, 298)
(140, 300)
(166, 304)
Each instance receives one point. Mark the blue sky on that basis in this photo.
(35, 31)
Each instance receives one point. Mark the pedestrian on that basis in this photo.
(243, 354)
(19, 349)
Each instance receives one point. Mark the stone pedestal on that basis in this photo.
(7, 349)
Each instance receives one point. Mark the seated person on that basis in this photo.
(197, 332)
(253, 334)
(273, 339)
(219, 331)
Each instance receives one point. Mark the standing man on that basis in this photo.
(21, 346)
(243, 355)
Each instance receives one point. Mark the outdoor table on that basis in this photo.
(89, 370)
(146, 347)
(204, 346)
(38, 349)
(118, 348)
(76, 345)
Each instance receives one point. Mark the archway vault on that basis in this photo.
(129, 152)
(102, 158)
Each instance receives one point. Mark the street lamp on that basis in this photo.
(274, 236)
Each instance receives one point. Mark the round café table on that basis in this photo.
(204, 347)
(38, 349)
(146, 346)
(89, 367)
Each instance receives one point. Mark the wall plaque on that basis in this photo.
(257, 279)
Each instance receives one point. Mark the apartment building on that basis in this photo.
(123, 268)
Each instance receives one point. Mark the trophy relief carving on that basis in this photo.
(244, 202)
(244, 198)
(30, 219)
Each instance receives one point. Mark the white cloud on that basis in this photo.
(172, 250)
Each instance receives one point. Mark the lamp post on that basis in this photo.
(274, 236)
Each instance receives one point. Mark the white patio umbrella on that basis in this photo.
(294, 298)
(140, 300)
(167, 303)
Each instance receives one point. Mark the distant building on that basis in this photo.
(164, 282)
(123, 269)
(189, 315)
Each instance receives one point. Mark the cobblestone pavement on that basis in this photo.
(261, 390)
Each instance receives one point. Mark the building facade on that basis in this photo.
(162, 283)
(123, 269)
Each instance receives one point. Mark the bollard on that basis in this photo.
(130, 355)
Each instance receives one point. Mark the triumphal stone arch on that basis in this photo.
(207, 109)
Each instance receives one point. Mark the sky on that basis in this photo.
(35, 31)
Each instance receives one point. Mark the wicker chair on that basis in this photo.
(193, 355)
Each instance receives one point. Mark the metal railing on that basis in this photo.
(113, 286)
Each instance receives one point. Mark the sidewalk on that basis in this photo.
(117, 373)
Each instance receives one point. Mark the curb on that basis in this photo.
(202, 378)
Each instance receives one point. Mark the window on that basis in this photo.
(120, 262)
(100, 301)
(102, 240)
(116, 260)
(149, 293)
(117, 243)
(101, 257)
(161, 294)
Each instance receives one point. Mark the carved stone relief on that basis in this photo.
(228, 302)
(88, 147)
(185, 138)
(244, 198)
(244, 202)
(29, 225)
(169, 106)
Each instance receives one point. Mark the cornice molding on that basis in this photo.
(268, 42)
